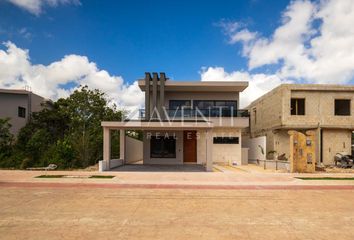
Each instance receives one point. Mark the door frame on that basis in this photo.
(185, 132)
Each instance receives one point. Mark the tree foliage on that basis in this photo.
(68, 133)
(6, 138)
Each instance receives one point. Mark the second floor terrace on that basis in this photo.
(188, 113)
(187, 100)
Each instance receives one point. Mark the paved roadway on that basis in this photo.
(106, 211)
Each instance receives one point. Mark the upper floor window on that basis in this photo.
(203, 104)
(206, 104)
(22, 112)
(179, 104)
(297, 106)
(342, 107)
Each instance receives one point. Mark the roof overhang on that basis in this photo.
(145, 125)
(201, 86)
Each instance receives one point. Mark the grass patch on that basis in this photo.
(101, 176)
(326, 178)
(50, 176)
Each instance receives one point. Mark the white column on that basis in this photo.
(209, 150)
(106, 146)
(122, 144)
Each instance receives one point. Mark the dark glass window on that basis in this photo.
(216, 108)
(228, 104)
(226, 140)
(297, 106)
(178, 104)
(22, 112)
(162, 147)
(342, 107)
(203, 104)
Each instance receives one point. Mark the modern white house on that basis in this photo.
(190, 122)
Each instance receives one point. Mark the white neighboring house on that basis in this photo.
(184, 123)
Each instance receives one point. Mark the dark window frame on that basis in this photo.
(170, 103)
(214, 103)
(21, 112)
(163, 143)
(337, 111)
(296, 110)
(226, 140)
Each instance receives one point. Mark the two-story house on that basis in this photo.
(185, 123)
(18, 105)
(327, 109)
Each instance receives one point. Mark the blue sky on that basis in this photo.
(128, 38)
(54, 46)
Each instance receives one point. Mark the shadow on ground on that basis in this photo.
(158, 168)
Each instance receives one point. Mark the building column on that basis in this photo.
(106, 147)
(122, 145)
(147, 95)
(162, 95)
(209, 150)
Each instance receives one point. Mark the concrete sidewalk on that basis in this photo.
(230, 177)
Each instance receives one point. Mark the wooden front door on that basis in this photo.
(190, 146)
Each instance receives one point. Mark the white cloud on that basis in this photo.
(243, 36)
(259, 84)
(35, 6)
(17, 71)
(315, 42)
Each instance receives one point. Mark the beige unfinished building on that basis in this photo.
(327, 109)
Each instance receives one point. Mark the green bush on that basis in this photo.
(61, 154)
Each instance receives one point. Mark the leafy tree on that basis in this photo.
(68, 134)
(6, 138)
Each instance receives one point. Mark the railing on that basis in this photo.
(193, 113)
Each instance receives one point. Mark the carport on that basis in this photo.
(108, 163)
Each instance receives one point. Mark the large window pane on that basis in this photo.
(203, 104)
(162, 147)
(178, 104)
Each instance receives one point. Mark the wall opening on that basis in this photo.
(342, 107)
(297, 106)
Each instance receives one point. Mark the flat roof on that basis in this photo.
(320, 87)
(14, 91)
(201, 86)
(20, 92)
(145, 125)
(306, 87)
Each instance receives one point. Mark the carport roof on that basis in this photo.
(146, 125)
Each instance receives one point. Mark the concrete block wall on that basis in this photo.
(334, 141)
(319, 109)
(266, 113)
